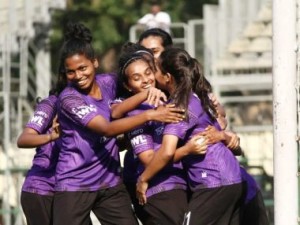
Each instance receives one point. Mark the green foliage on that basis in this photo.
(194, 9)
(110, 20)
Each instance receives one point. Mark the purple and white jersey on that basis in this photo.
(252, 187)
(87, 160)
(40, 178)
(149, 137)
(218, 167)
(131, 160)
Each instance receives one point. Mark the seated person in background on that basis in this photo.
(156, 18)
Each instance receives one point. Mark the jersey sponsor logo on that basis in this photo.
(82, 111)
(136, 132)
(159, 130)
(41, 113)
(203, 174)
(38, 118)
(138, 140)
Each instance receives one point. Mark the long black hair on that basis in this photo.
(157, 32)
(188, 75)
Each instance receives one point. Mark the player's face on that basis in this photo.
(81, 71)
(155, 44)
(140, 76)
(160, 77)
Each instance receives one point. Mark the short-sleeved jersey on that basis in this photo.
(87, 161)
(131, 161)
(40, 178)
(149, 137)
(218, 167)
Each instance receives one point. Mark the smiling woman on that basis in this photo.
(88, 168)
(167, 197)
(81, 72)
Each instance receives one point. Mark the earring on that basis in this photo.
(128, 89)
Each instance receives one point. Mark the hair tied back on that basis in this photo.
(78, 31)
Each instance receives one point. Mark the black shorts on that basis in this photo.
(216, 206)
(166, 208)
(254, 212)
(110, 206)
(141, 214)
(37, 208)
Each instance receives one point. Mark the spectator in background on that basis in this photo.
(156, 18)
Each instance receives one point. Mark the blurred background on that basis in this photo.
(232, 39)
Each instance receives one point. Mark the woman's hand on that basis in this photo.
(141, 188)
(167, 113)
(197, 145)
(55, 131)
(212, 135)
(155, 96)
(234, 142)
(221, 114)
(230, 138)
(219, 108)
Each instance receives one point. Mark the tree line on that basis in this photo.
(110, 21)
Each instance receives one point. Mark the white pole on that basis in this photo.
(238, 18)
(285, 113)
(6, 126)
(191, 36)
(223, 17)
(43, 74)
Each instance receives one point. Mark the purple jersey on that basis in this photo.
(40, 178)
(218, 167)
(252, 187)
(149, 137)
(131, 161)
(87, 160)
